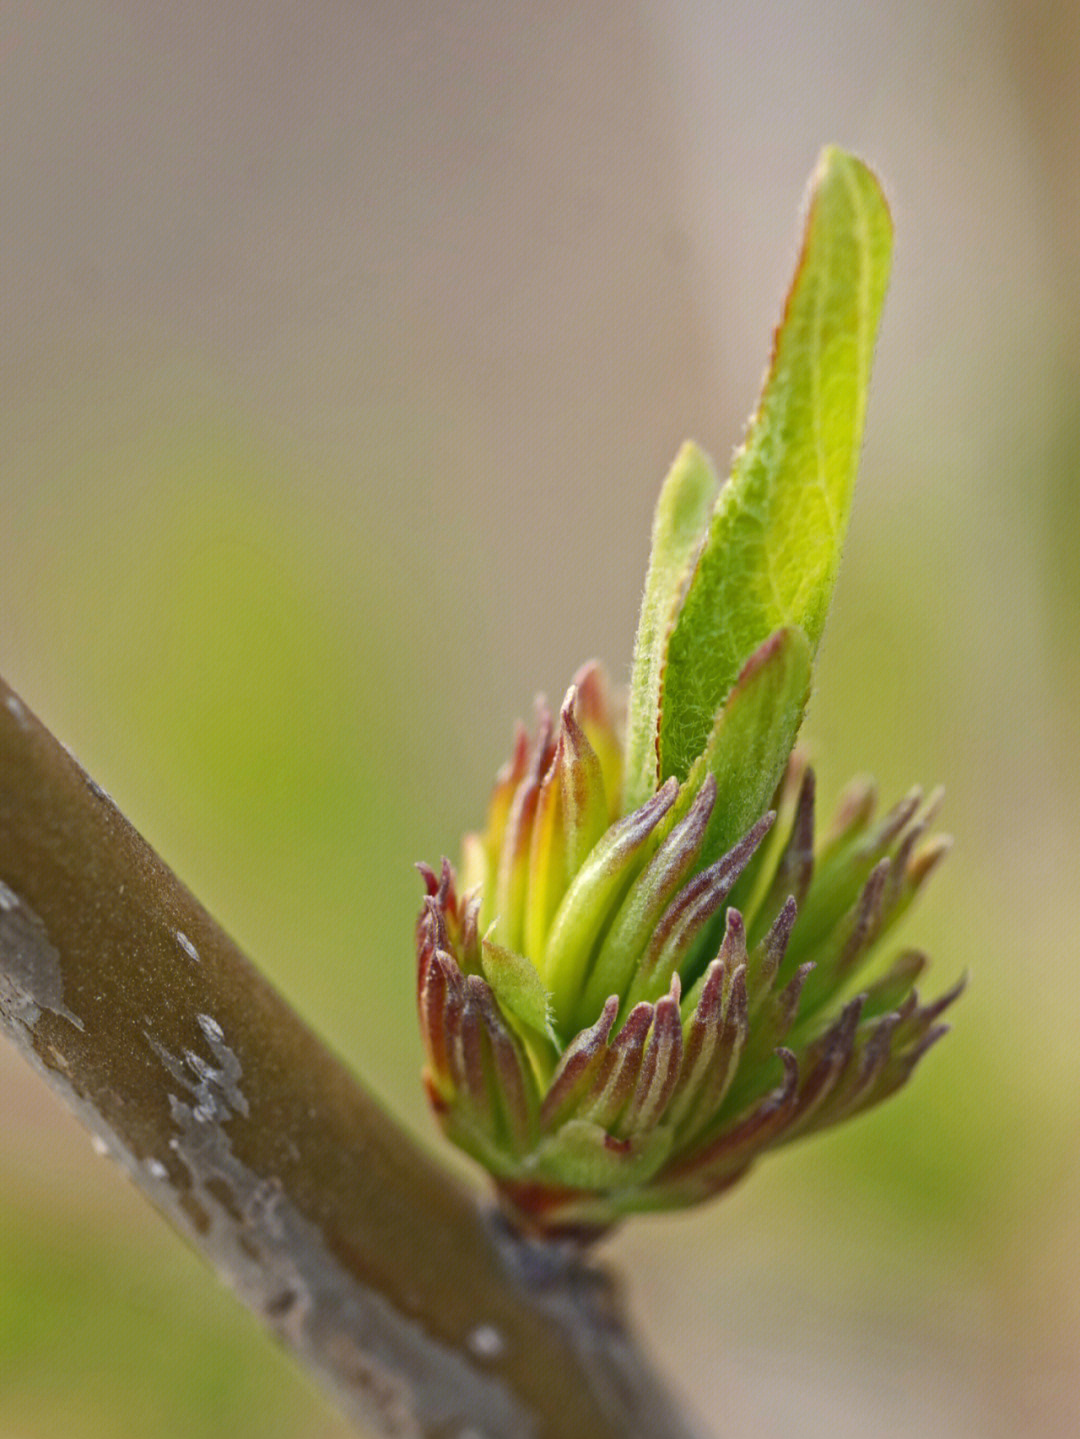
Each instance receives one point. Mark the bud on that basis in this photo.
(650, 971)
(655, 1037)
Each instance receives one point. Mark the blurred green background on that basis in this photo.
(343, 349)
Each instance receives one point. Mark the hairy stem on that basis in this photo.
(422, 1314)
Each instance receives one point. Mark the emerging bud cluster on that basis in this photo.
(646, 976)
(617, 1019)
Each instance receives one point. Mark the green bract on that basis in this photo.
(647, 976)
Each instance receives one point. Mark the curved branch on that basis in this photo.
(422, 1315)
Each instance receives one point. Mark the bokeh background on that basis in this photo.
(343, 349)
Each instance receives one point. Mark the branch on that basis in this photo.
(421, 1313)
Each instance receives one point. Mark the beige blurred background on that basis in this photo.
(343, 349)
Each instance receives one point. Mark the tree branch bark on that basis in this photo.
(421, 1313)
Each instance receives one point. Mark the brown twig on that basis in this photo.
(422, 1314)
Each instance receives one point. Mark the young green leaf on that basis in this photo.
(773, 545)
(517, 987)
(582, 1153)
(682, 513)
(752, 737)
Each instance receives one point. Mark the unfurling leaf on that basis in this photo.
(773, 546)
(682, 512)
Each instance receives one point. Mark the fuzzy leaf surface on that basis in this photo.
(752, 737)
(517, 987)
(773, 547)
(682, 514)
